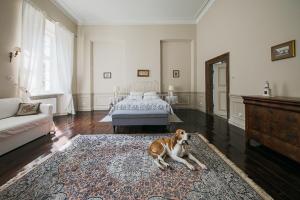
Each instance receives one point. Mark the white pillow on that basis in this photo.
(152, 97)
(131, 97)
(152, 93)
(136, 94)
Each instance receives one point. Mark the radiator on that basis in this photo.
(51, 101)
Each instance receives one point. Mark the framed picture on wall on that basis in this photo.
(143, 73)
(176, 73)
(106, 75)
(283, 51)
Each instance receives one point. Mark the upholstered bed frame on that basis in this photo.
(140, 117)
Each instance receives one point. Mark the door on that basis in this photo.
(219, 89)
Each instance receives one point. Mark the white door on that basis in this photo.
(219, 90)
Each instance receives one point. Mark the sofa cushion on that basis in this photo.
(9, 107)
(15, 125)
(28, 109)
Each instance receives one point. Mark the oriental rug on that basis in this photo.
(98, 167)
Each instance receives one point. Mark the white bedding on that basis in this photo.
(151, 105)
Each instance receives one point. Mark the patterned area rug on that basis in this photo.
(119, 167)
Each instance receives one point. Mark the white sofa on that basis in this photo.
(16, 131)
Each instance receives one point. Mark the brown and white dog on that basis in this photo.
(174, 148)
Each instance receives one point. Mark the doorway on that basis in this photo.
(217, 86)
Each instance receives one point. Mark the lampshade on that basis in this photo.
(171, 88)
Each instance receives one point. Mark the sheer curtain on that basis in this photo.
(64, 51)
(33, 30)
(47, 58)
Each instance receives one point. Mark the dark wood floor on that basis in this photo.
(278, 175)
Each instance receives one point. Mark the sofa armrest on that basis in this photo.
(46, 109)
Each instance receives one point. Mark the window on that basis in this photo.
(49, 58)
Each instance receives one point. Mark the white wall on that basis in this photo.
(176, 55)
(10, 37)
(108, 57)
(247, 29)
(142, 51)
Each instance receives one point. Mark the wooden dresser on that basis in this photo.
(275, 123)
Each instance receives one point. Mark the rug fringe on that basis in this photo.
(32, 165)
(240, 172)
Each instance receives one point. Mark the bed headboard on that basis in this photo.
(141, 86)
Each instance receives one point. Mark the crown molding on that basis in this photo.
(66, 10)
(200, 9)
(137, 22)
(201, 12)
(75, 17)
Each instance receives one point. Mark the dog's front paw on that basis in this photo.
(191, 167)
(203, 166)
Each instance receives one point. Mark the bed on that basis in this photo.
(141, 109)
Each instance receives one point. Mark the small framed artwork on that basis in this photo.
(283, 51)
(106, 75)
(176, 73)
(143, 73)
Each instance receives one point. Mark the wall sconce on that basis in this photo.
(14, 53)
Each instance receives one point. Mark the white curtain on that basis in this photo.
(33, 28)
(40, 51)
(64, 51)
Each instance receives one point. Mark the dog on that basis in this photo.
(174, 147)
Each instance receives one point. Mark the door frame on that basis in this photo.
(209, 82)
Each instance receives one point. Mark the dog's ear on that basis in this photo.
(178, 134)
(176, 137)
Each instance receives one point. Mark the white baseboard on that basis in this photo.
(60, 114)
(237, 122)
(101, 107)
(84, 109)
(202, 109)
(237, 111)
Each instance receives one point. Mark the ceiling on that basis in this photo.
(99, 12)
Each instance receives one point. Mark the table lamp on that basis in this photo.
(116, 90)
(171, 89)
